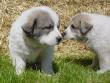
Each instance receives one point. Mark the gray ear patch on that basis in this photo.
(30, 30)
(39, 25)
(85, 28)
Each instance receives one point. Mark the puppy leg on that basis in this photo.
(95, 62)
(20, 65)
(104, 62)
(46, 61)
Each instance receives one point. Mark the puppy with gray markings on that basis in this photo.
(33, 37)
(96, 30)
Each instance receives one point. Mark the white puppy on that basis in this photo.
(96, 29)
(33, 37)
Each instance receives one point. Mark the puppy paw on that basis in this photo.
(101, 71)
(48, 71)
(19, 71)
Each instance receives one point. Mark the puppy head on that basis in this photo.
(79, 27)
(43, 26)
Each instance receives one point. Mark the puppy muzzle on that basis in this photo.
(59, 39)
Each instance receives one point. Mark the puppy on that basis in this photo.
(96, 30)
(33, 37)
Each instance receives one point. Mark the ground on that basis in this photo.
(71, 57)
(67, 70)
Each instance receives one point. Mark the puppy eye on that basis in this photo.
(48, 27)
(72, 26)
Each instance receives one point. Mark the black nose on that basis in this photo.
(63, 34)
(59, 38)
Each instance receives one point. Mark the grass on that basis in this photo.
(68, 70)
(73, 58)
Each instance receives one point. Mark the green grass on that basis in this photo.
(68, 70)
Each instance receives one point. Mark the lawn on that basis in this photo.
(71, 58)
(68, 70)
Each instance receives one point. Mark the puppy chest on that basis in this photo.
(32, 55)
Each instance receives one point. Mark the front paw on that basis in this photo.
(48, 71)
(101, 71)
(19, 71)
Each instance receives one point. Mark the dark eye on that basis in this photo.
(48, 27)
(72, 26)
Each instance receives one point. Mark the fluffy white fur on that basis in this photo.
(28, 51)
(98, 39)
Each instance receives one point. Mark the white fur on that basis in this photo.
(98, 39)
(69, 34)
(23, 50)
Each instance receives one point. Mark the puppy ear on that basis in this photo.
(29, 30)
(85, 27)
